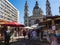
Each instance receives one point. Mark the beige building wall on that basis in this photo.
(8, 11)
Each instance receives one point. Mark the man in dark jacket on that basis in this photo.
(6, 36)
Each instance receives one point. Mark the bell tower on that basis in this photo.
(48, 8)
(26, 14)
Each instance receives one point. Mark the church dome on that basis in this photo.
(36, 5)
(37, 10)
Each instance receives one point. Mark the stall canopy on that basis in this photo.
(15, 24)
(27, 27)
(3, 21)
(34, 26)
(18, 25)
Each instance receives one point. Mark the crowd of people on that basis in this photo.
(7, 34)
(39, 34)
(52, 38)
(33, 34)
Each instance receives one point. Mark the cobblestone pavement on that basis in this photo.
(30, 42)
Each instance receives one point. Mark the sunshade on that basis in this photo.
(15, 24)
(9, 24)
(19, 25)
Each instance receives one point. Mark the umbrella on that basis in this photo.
(19, 25)
(15, 24)
(9, 24)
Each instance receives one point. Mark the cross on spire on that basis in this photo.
(36, 2)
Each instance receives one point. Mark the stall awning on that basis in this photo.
(12, 24)
(19, 25)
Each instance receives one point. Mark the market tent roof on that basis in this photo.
(9, 24)
(19, 25)
(15, 24)
(27, 27)
(34, 26)
(2, 21)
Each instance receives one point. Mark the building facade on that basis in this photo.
(37, 14)
(8, 12)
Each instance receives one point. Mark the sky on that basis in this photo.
(19, 4)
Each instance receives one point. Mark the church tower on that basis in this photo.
(26, 14)
(48, 8)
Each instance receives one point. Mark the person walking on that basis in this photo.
(41, 35)
(34, 35)
(6, 35)
(29, 34)
(24, 33)
(54, 41)
(38, 32)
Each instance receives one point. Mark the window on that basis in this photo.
(1, 16)
(25, 20)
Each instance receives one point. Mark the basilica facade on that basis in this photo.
(37, 14)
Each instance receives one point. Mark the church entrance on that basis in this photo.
(37, 21)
